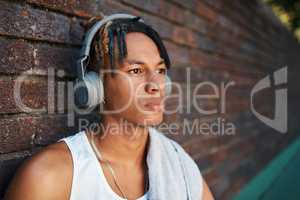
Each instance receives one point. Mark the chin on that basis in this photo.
(151, 120)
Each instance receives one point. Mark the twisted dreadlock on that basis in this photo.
(104, 51)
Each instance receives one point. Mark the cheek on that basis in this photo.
(132, 92)
(124, 90)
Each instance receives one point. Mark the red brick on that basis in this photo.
(25, 132)
(19, 56)
(37, 23)
(82, 8)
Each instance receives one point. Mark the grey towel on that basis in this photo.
(173, 174)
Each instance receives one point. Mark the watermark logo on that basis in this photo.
(279, 122)
(192, 99)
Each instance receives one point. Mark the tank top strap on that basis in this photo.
(74, 144)
(88, 181)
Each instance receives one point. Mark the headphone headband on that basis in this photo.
(90, 34)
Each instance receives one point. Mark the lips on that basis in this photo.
(153, 104)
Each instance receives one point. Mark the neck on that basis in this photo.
(122, 142)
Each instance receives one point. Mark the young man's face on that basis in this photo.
(135, 92)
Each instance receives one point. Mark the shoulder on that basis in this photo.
(176, 146)
(47, 174)
(184, 156)
(190, 167)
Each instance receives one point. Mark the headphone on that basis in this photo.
(88, 89)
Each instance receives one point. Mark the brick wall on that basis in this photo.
(219, 40)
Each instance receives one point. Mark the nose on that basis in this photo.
(152, 85)
(152, 88)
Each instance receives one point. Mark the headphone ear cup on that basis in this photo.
(89, 92)
(168, 85)
(95, 88)
(80, 93)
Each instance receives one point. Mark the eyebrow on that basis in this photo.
(133, 61)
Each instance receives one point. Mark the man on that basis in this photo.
(113, 163)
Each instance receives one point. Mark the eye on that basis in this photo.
(135, 70)
(162, 70)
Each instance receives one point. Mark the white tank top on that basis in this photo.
(88, 181)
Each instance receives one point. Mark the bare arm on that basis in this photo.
(207, 195)
(41, 177)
